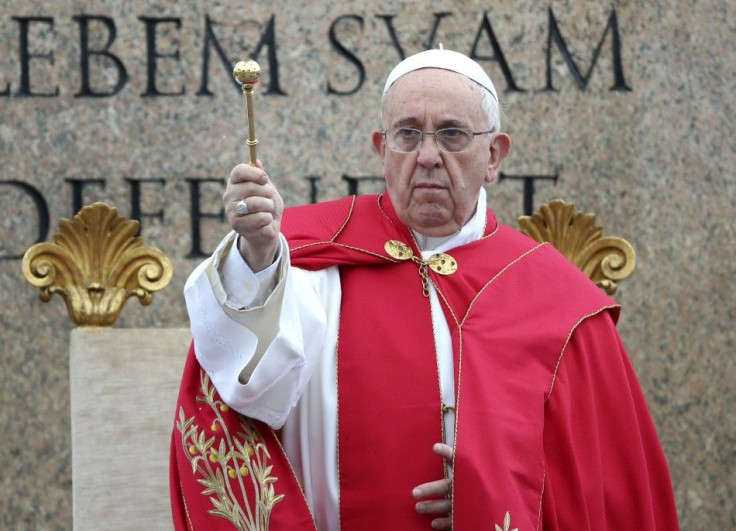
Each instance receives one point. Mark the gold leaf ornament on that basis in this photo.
(606, 260)
(95, 264)
(506, 523)
(236, 478)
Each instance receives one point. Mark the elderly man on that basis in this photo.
(404, 361)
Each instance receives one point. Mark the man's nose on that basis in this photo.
(429, 152)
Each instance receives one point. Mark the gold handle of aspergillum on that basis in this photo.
(247, 74)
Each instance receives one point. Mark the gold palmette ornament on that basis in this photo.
(96, 263)
(247, 74)
(606, 260)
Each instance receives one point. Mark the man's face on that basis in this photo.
(435, 192)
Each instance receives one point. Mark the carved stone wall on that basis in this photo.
(624, 108)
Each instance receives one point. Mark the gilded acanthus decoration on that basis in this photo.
(606, 260)
(96, 263)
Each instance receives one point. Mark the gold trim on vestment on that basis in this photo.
(567, 341)
(501, 272)
(541, 497)
(606, 260)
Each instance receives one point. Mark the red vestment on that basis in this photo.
(552, 431)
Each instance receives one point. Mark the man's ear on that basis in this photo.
(500, 148)
(378, 144)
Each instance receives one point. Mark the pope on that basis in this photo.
(403, 360)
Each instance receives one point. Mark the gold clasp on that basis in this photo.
(440, 263)
(398, 250)
(425, 277)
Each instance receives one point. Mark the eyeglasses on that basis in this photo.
(449, 139)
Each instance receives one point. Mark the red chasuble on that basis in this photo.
(551, 432)
(227, 471)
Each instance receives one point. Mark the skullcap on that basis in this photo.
(445, 60)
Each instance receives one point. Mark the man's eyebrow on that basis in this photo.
(406, 120)
(452, 122)
(412, 121)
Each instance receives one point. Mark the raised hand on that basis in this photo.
(254, 207)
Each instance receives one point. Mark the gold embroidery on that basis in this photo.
(506, 524)
(225, 460)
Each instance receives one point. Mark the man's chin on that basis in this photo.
(435, 223)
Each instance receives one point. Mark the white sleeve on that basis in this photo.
(259, 346)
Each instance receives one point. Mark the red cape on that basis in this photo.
(512, 308)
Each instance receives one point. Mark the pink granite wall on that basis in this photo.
(99, 99)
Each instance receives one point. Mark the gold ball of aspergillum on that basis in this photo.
(247, 72)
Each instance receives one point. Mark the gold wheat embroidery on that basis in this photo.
(506, 524)
(225, 462)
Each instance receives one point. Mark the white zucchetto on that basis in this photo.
(445, 60)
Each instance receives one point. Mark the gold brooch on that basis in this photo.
(398, 250)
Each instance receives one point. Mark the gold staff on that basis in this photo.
(247, 74)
